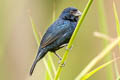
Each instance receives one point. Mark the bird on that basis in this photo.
(58, 34)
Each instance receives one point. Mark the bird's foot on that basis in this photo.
(61, 64)
(69, 48)
(60, 58)
(59, 61)
(64, 45)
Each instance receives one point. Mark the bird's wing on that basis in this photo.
(57, 30)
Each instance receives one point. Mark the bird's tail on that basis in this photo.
(40, 55)
(33, 66)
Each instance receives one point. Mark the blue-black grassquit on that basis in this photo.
(58, 34)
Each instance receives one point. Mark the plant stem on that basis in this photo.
(97, 59)
(87, 76)
(72, 39)
(48, 68)
(38, 42)
(104, 29)
(117, 20)
(118, 32)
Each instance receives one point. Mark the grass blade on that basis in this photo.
(38, 42)
(98, 68)
(72, 39)
(118, 32)
(98, 58)
(48, 67)
(53, 19)
(34, 31)
(50, 60)
(52, 64)
(117, 20)
(103, 27)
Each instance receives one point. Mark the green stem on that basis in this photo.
(72, 39)
(50, 60)
(34, 31)
(117, 20)
(53, 19)
(38, 42)
(52, 64)
(104, 29)
(98, 58)
(118, 32)
(48, 68)
(102, 18)
(87, 76)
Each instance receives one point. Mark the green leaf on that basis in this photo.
(34, 31)
(118, 32)
(116, 19)
(98, 68)
(48, 67)
(98, 58)
(103, 27)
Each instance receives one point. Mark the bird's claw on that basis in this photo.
(64, 45)
(61, 64)
(59, 61)
(69, 48)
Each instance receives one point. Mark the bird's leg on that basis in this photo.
(69, 48)
(62, 65)
(58, 56)
(64, 45)
(59, 59)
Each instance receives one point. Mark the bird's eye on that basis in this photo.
(73, 11)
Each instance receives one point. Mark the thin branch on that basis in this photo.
(72, 39)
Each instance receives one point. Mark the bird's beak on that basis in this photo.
(77, 13)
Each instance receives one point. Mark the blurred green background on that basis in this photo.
(18, 46)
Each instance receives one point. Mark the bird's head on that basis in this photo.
(71, 14)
